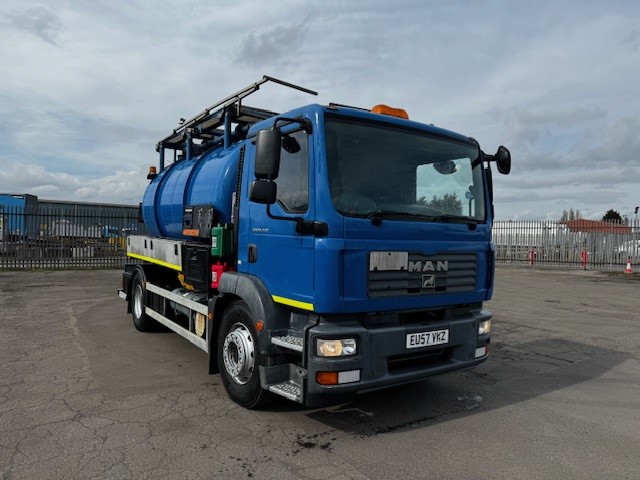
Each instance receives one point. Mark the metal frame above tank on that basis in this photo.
(205, 126)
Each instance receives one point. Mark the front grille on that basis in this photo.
(426, 275)
(411, 361)
(422, 317)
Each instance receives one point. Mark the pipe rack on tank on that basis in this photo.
(205, 125)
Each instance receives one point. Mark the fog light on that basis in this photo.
(335, 348)
(484, 328)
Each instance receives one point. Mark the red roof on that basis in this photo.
(582, 225)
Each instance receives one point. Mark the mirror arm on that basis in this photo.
(488, 158)
(278, 217)
(304, 123)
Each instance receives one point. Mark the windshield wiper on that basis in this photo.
(377, 215)
(446, 218)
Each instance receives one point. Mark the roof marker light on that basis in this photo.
(387, 110)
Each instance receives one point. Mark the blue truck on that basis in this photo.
(320, 253)
(18, 217)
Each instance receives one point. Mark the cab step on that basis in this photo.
(286, 380)
(288, 390)
(289, 342)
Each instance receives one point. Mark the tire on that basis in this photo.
(141, 320)
(239, 357)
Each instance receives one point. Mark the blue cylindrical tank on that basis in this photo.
(208, 179)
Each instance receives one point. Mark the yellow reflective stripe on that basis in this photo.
(293, 303)
(153, 260)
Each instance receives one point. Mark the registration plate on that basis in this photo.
(426, 339)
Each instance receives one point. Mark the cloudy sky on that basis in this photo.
(88, 88)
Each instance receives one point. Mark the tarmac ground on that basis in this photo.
(84, 395)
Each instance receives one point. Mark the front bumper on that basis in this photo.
(383, 360)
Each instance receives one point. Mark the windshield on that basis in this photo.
(379, 171)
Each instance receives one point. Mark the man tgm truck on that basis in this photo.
(320, 253)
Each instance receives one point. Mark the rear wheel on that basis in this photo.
(239, 357)
(142, 321)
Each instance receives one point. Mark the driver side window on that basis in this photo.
(293, 179)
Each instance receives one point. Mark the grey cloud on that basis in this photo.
(274, 45)
(530, 125)
(554, 181)
(78, 142)
(118, 187)
(38, 20)
(593, 170)
(622, 141)
(632, 40)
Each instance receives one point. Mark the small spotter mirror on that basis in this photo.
(445, 168)
(290, 144)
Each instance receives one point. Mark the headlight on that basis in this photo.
(484, 328)
(335, 348)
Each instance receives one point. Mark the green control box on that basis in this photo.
(221, 241)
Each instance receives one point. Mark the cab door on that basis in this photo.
(282, 258)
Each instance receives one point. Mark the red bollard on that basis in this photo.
(584, 259)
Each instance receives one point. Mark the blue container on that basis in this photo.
(208, 179)
(19, 215)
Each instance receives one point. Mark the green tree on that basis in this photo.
(448, 204)
(612, 216)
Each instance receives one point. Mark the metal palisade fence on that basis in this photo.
(578, 244)
(66, 235)
(70, 235)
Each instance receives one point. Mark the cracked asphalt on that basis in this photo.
(84, 395)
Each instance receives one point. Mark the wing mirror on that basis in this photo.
(267, 162)
(503, 160)
(266, 167)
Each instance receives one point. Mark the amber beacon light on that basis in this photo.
(387, 110)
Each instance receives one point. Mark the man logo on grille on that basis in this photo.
(428, 266)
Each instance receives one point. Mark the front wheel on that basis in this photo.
(239, 357)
